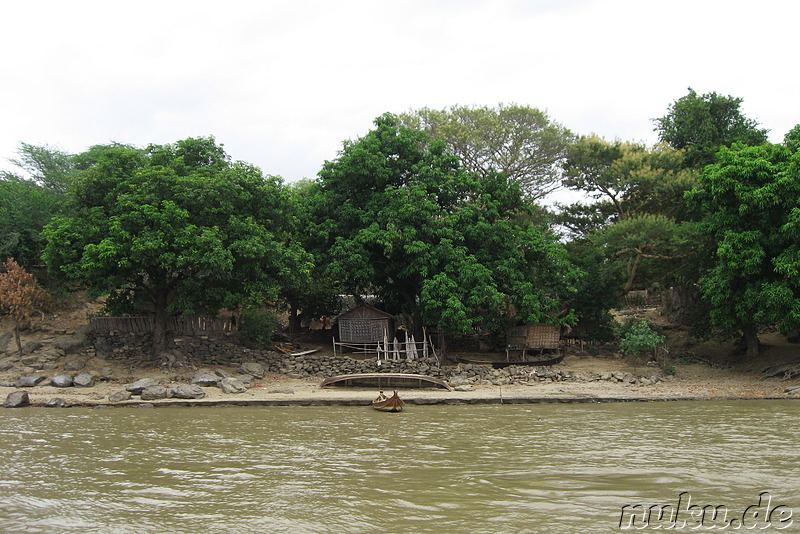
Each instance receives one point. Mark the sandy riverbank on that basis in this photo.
(279, 391)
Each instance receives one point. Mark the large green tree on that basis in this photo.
(639, 217)
(519, 141)
(179, 226)
(399, 216)
(750, 200)
(701, 124)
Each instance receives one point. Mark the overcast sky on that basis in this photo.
(282, 83)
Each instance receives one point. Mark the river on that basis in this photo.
(547, 468)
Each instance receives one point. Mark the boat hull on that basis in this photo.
(391, 404)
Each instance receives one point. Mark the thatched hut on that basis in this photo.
(533, 336)
(364, 326)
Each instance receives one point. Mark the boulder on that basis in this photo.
(120, 396)
(286, 391)
(74, 365)
(205, 379)
(137, 387)
(29, 381)
(6, 364)
(154, 393)
(17, 399)
(253, 369)
(56, 402)
(61, 381)
(83, 380)
(464, 387)
(247, 380)
(187, 391)
(232, 385)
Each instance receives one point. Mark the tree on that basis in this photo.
(25, 208)
(701, 124)
(399, 216)
(518, 141)
(20, 296)
(640, 217)
(750, 199)
(179, 227)
(47, 166)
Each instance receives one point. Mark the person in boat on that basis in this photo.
(381, 397)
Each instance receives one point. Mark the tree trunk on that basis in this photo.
(160, 325)
(750, 334)
(16, 337)
(295, 321)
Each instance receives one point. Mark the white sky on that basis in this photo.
(282, 83)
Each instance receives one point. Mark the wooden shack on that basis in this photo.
(533, 336)
(364, 327)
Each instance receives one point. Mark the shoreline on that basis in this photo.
(308, 393)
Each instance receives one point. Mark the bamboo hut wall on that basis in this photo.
(534, 336)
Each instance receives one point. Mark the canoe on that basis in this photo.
(499, 364)
(386, 380)
(388, 404)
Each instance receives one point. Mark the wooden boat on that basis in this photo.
(388, 404)
(499, 364)
(386, 380)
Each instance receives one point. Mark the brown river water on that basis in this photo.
(547, 468)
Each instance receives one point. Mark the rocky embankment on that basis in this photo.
(80, 361)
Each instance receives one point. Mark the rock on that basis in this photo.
(5, 341)
(464, 387)
(286, 391)
(120, 396)
(17, 399)
(56, 402)
(254, 369)
(96, 396)
(232, 385)
(221, 374)
(187, 391)
(137, 387)
(83, 380)
(6, 364)
(247, 380)
(74, 365)
(77, 342)
(31, 347)
(205, 379)
(29, 381)
(61, 381)
(459, 380)
(154, 393)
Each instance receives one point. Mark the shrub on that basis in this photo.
(258, 326)
(639, 338)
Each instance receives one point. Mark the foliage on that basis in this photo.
(701, 124)
(518, 141)
(25, 208)
(637, 338)
(20, 296)
(399, 217)
(640, 218)
(597, 292)
(44, 165)
(750, 200)
(179, 226)
(258, 326)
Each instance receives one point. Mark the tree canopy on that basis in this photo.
(701, 124)
(519, 141)
(750, 200)
(178, 226)
(402, 218)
